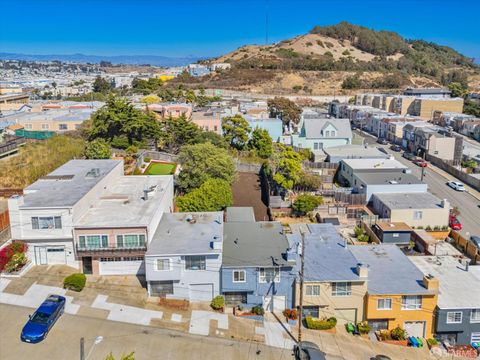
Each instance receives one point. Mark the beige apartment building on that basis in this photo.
(425, 107)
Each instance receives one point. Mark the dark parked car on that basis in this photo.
(306, 350)
(42, 320)
(382, 141)
(396, 148)
(409, 156)
(354, 127)
(475, 239)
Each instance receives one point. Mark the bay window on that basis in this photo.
(195, 262)
(411, 302)
(268, 275)
(342, 289)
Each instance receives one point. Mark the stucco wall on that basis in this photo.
(463, 330)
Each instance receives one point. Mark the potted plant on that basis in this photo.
(291, 316)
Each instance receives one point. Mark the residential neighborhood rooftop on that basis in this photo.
(423, 200)
(187, 233)
(240, 214)
(260, 243)
(123, 203)
(314, 127)
(377, 164)
(355, 152)
(459, 288)
(66, 185)
(393, 226)
(390, 271)
(387, 177)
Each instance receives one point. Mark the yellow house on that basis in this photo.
(398, 294)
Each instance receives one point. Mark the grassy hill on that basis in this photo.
(324, 58)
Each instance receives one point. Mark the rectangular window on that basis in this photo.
(384, 304)
(395, 235)
(47, 222)
(28, 126)
(342, 289)
(130, 241)
(35, 224)
(475, 316)
(81, 241)
(105, 241)
(454, 317)
(411, 302)
(62, 127)
(266, 275)
(120, 241)
(312, 290)
(162, 265)
(58, 222)
(195, 262)
(327, 133)
(215, 128)
(238, 276)
(45, 126)
(417, 215)
(315, 146)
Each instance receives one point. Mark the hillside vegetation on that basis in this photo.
(344, 47)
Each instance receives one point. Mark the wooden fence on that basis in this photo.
(4, 220)
(452, 170)
(467, 246)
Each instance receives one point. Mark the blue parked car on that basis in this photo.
(42, 320)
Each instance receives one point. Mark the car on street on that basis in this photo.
(306, 350)
(382, 141)
(475, 239)
(396, 148)
(43, 319)
(354, 127)
(454, 223)
(420, 162)
(456, 185)
(409, 156)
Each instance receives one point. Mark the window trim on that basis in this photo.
(239, 281)
(474, 321)
(455, 312)
(384, 300)
(101, 236)
(311, 287)
(56, 220)
(190, 256)
(348, 291)
(404, 305)
(140, 243)
(263, 280)
(163, 259)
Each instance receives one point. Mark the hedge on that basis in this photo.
(218, 302)
(324, 324)
(75, 282)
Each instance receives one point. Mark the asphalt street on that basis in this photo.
(437, 185)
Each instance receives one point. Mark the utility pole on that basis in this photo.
(302, 267)
(423, 173)
(82, 348)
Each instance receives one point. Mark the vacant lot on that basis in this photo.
(247, 192)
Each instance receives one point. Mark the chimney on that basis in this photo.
(362, 270)
(430, 282)
(216, 244)
(145, 194)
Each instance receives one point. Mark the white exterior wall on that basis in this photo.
(184, 279)
(34, 252)
(165, 206)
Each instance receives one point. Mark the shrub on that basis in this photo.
(16, 262)
(363, 328)
(146, 159)
(218, 302)
(436, 228)
(432, 342)
(358, 231)
(75, 282)
(324, 324)
(363, 238)
(15, 247)
(308, 44)
(385, 335)
(258, 310)
(290, 314)
(428, 228)
(398, 333)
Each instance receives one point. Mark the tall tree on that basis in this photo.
(118, 118)
(98, 149)
(101, 85)
(236, 131)
(175, 133)
(285, 109)
(287, 167)
(201, 162)
(261, 142)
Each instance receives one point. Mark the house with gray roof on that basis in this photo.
(258, 265)
(335, 284)
(457, 317)
(321, 133)
(183, 259)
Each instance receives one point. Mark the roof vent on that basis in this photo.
(393, 182)
(93, 173)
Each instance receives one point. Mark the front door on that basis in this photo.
(42, 255)
(87, 264)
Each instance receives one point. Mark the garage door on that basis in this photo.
(475, 337)
(279, 303)
(121, 267)
(48, 255)
(201, 292)
(415, 328)
(346, 316)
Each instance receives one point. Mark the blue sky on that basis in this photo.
(213, 27)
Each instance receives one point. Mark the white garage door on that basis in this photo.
(346, 316)
(475, 337)
(201, 292)
(279, 303)
(48, 255)
(129, 267)
(415, 328)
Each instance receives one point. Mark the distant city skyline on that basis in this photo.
(209, 28)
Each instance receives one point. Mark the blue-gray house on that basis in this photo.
(257, 267)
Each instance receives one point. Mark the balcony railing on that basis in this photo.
(111, 250)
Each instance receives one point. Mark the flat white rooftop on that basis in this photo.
(360, 164)
(459, 289)
(124, 205)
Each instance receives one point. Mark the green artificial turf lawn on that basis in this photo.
(160, 169)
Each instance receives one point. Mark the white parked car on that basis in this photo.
(456, 185)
